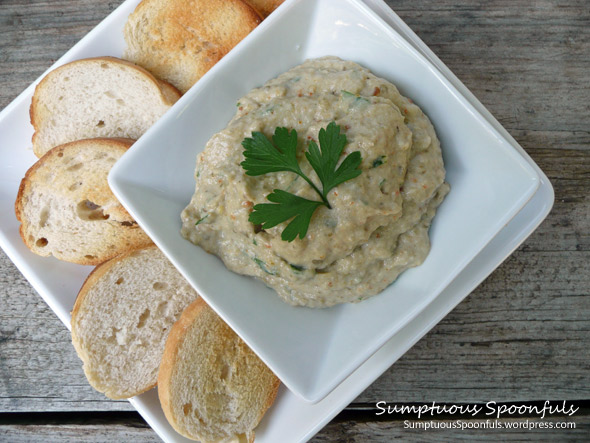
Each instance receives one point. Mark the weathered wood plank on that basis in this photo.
(349, 431)
(387, 431)
(137, 431)
(528, 62)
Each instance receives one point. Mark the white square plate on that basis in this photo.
(290, 418)
(313, 350)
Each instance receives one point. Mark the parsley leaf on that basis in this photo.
(287, 206)
(263, 157)
(324, 160)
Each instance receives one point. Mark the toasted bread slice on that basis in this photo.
(180, 41)
(121, 318)
(265, 7)
(96, 97)
(212, 387)
(67, 209)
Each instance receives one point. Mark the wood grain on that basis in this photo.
(522, 335)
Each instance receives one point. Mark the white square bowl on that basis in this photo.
(313, 350)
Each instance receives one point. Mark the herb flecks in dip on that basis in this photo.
(378, 224)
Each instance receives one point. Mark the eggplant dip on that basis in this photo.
(373, 226)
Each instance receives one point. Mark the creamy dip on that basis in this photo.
(378, 224)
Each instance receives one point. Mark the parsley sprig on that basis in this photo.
(263, 157)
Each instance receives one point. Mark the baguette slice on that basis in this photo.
(212, 387)
(96, 97)
(265, 7)
(180, 41)
(121, 318)
(67, 209)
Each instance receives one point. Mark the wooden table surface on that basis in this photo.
(521, 336)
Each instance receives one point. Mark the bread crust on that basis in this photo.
(181, 43)
(136, 237)
(265, 7)
(168, 93)
(171, 355)
(175, 338)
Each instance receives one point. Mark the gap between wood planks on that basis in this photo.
(356, 412)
